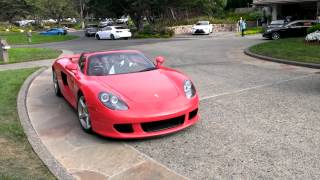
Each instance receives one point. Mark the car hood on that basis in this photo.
(201, 26)
(273, 29)
(143, 86)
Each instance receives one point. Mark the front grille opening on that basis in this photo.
(123, 128)
(162, 125)
(193, 114)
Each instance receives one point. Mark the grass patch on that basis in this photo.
(17, 159)
(17, 55)
(253, 30)
(293, 49)
(16, 38)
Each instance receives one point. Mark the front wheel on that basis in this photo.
(83, 115)
(275, 36)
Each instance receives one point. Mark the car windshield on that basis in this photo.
(118, 63)
(278, 22)
(119, 27)
(203, 23)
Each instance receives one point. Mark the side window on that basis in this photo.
(82, 63)
(299, 24)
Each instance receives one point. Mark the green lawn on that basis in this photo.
(253, 30)
(31, 54)
(17, 159)
(21, 38)
(293, 49)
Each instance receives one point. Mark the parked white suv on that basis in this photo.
(113, 32)
(202, 27)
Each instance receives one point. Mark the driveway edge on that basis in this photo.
(284, 61)
(46, 157)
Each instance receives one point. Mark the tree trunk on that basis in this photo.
(82, 6)
(137, 20)
(59, 21)
(172, 13)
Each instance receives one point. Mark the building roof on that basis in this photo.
(268, 2)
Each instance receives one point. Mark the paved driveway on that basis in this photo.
(259, 120)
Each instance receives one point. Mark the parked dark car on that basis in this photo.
(292, 29)
(91, 30)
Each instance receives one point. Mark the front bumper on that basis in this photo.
(266, 35)
(90, 33)
(145, 122)
(200, 31)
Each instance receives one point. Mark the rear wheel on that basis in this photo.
(126, 38)
(98, 37)
(83, 115)
(275, 36)
(112, 37)
(56, 84)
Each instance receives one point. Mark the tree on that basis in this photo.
(231, 4)
(56, 9)
(83, 7)
(140, 9)
(10, 10)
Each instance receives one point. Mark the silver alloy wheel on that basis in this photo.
(83, 114)
(55, 83)
(275, 36)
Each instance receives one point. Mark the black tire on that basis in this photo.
(86, 126)
(112, 37)
(56, 87)
(275, 36)
(98, 37)
(126, 38)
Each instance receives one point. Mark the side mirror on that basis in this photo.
(72, 67)
(159, 60)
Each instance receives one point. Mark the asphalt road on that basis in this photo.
(259, 120)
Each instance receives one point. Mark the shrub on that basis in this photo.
(314, 28)
(153, 31)
(313, 37)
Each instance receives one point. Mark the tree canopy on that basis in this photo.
(136, 9)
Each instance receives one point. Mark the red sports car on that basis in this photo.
(122, 94)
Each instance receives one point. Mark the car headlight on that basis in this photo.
(112, 102)
(189, 89)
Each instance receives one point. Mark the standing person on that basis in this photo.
(243, 27)
(239, 24)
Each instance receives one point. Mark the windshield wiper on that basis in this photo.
(148, 69)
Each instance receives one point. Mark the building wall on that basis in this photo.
(297, 9)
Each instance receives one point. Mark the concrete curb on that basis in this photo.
(53, 165)
(309, 65)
